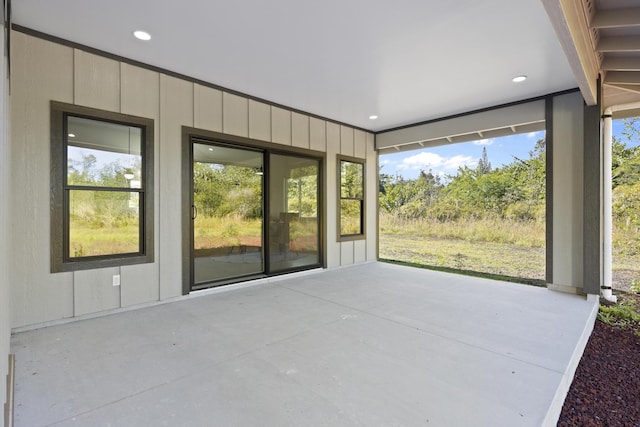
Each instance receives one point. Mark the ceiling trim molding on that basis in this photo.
(481, 110)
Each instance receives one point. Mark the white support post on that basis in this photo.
(607, 223)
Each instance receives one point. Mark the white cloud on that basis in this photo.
(421, 161)
(453, 163)
(484, 142)
(437, 164)
(532, 135)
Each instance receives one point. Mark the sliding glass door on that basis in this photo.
(227, 213)
(253, 213)
(294, 237)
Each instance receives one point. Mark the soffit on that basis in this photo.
(602, 38)
(615, 28)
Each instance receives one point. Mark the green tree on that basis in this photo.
(221, 190)
(484, 165)
(515, 191)
(625, 161)
(625, 174)
(81, 171)
(409, 198)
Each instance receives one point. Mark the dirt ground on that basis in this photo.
(606, 388)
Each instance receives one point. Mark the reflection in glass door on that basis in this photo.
(294, 237)
(227, 213)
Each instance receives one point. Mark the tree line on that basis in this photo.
(515, 191)
(625, 175)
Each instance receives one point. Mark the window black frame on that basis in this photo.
(59, 239)
(361, 235)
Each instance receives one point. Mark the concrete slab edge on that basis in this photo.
(555, 409)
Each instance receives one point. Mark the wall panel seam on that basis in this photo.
(270, 123)
(159, 185)
(222, 113)
(73, 293)
(121, 285)
(120, 81)
(120, 86)
(193, 104)
(73, 75)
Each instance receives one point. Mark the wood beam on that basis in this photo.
(627, 88)
(622, 78)
(625, 63)
(616, 18)
(619, 44)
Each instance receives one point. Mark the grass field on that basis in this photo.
(85, 240)
(501, 259)
(510, 249)
(217, 232)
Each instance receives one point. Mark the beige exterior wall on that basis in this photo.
(568, 141)
(45, 71)
(5, 325)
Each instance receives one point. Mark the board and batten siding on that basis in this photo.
(44, 71)
(568, 190)
(5, 248)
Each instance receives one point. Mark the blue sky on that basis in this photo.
(446, 159)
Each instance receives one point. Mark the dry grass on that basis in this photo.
(519, 233)
(86, 240)
(490, 246)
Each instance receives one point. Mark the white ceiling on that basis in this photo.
(405, 60)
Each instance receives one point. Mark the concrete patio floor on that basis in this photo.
(368, 345)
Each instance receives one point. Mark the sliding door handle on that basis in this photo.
(194, 212)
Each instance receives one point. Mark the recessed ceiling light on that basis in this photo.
(142, 35)
(373, 117)
(72, 135)
(210, 149)
(519, 79)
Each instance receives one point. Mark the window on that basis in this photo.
(351, 209)
(101, 189)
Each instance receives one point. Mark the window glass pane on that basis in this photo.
(302, 192)
(350, 217)
(103, 223)
(103, 154)
(293, 212)
(228, 226)
(351, 180)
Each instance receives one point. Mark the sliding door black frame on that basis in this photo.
(191, 136)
